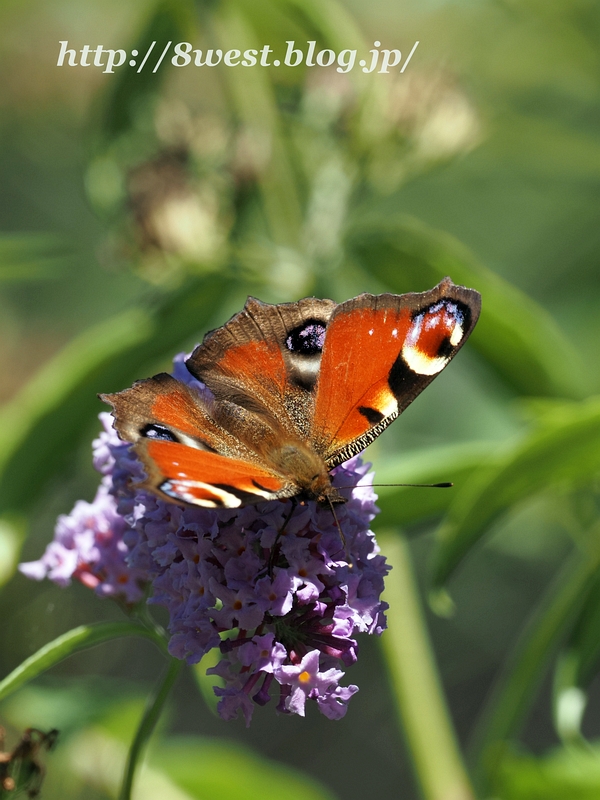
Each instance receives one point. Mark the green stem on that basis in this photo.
(71, 642)
(420, 701)
(152, 712)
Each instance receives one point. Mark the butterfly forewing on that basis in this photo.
(266, 359)
(380, 353)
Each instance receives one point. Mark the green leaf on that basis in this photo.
(231, 772)
(404, 505)
(29, 257)
(206, 682)
(12, 535)
(253, 102)
(152, 712)
(565, 774)
(170, 21)
(416, 684)
(516, 688)
(518, 338)
(577, 667)
(45, 422)
(564, 448)
(64, 646)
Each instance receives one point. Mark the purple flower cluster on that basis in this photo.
(273, 585)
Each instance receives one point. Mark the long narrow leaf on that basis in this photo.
(404, 505)
(517, 686)
(45, 422)
(64, 646)
(577, 667)
(566, 448)
(170, 21)
(228, 771)
(253, 100)
(421, 705)
(518, 338)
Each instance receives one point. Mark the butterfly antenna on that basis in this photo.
(444, 485)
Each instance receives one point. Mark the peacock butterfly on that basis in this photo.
(291, 391)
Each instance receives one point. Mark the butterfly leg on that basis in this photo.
(280, 532)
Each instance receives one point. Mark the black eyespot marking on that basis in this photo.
(153, 431)
(307, 339)
(373, 416)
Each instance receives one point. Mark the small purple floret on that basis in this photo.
(282, 602)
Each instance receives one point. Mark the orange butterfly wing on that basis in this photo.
(187, 456)
(380, 352)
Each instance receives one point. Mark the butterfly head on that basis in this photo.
(310, 473)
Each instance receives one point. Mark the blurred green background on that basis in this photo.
(138, 211)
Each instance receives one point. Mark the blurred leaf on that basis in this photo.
(226, 771)
(566, 448)
(170, 21)
(577, 667)
(404, 505)
(29, 257)
(517, 337)
(547, 146)
(517, 686)
(12, 534)
(64, 646)
(330, 21)
(253, 101)
(206, 682)
(569, 773)
(63, 374)
(42, 426)
(420, 702)
(152, 712)
(70, 705)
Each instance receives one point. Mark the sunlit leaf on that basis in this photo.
(517, 337)
(231, 772)
(206, 682)
(12, 534)
(565, 448)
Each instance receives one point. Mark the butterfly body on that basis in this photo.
(287, 392)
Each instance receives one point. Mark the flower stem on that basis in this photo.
(420, 701)
(152, 712)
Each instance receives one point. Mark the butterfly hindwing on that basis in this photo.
(199, 477)
(380, 352)
(187, 456)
